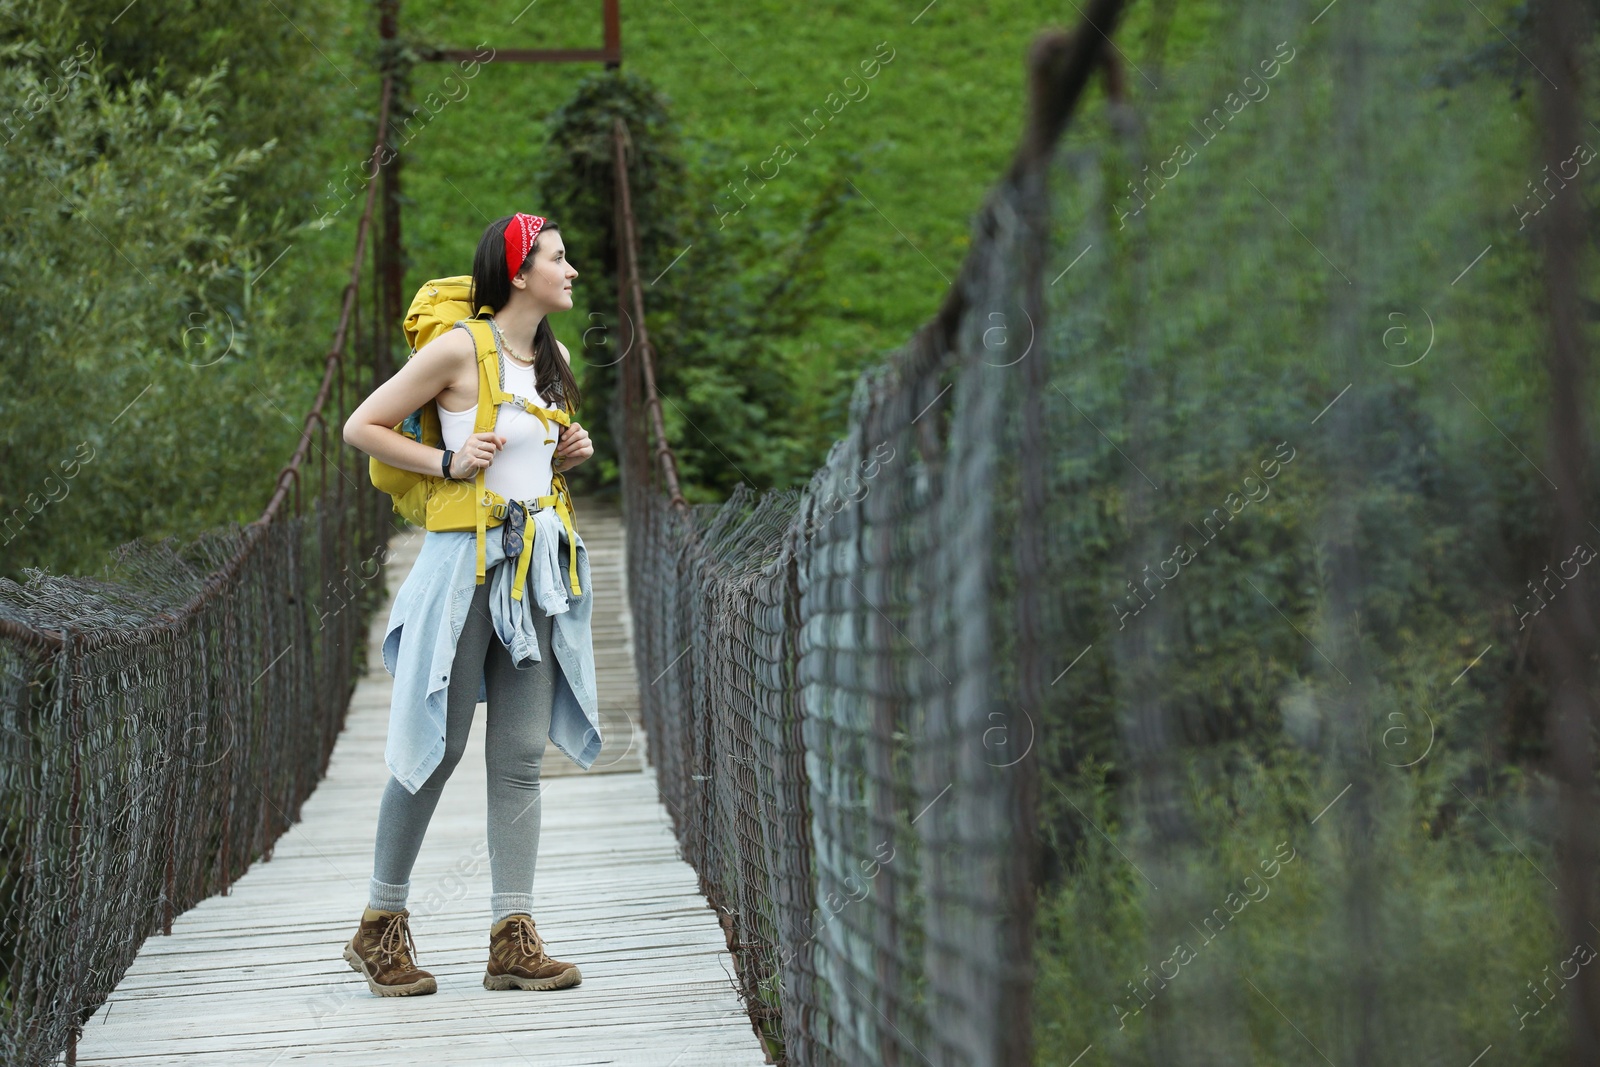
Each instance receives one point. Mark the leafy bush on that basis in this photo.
(142, 347)
(735, 408)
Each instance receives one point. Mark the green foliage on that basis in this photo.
(284, 68)
(844, 249)
(715, 317)
(1342, 664)
(1467, 928)
(147, 197)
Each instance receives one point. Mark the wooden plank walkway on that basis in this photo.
(613, 897)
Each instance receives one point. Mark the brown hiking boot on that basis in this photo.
(381, 950)
(517, 959)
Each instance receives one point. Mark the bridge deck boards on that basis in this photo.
(256, 977)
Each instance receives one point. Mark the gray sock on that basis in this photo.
(385, 897)
(503, 904)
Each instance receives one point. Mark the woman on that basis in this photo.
(452, 642)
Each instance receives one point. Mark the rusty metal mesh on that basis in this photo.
(161, 723)
(816, 670)
(827, 681)
(1375, 684)
(165, 743)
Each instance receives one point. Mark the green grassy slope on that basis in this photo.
(759, 90)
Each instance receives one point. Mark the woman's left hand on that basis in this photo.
(573, 449)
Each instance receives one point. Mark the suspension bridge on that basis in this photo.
(658, 979)
(871, 741)
(759, 868)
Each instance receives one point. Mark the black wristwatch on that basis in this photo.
(445, 463)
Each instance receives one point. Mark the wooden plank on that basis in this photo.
(256, 976)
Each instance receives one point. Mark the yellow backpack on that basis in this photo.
(435, 502)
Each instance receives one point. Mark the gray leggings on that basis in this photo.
(519, 721)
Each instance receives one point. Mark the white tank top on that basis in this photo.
(522, 468)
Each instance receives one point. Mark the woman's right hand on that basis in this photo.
(478, 450)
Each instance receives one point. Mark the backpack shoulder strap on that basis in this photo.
(488, 373)
(489, 380)
(489, 398)
(482, 337)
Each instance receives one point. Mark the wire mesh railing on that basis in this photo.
(1188, 653)
(1302, 790)
(164, 721)
(828, 673)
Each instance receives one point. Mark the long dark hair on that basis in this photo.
(491, 285)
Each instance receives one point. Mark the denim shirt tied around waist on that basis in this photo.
(430, 610)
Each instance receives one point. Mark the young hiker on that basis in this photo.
(461, 630)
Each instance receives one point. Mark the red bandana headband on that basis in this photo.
(520, 233)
